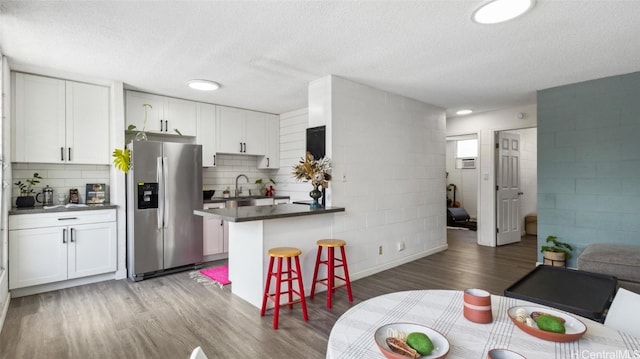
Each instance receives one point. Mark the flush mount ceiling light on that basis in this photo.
(496, 11)
(463, 112)
(203, 85)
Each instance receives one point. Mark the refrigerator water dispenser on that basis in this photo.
(147, 195)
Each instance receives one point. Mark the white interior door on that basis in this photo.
(508, 187)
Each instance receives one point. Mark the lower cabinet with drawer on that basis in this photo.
(51, 247)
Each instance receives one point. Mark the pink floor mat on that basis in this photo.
(219, 275)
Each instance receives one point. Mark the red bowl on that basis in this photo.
(477, 297)
(575, 329)
(482, 316)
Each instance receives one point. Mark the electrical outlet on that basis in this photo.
(400, 246)
(380, 250)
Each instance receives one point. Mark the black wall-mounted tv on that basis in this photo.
(316, 141)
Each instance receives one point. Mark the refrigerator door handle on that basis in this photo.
(165, 180)
(160, 211)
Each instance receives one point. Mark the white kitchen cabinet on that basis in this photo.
(58, 121)
(52, 247)
(206, 133)
(165, 115)
(272, 158)
(241, 131)
(215, 240)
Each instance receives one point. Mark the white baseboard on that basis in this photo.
(21, 292)
(5, 297)
(397, 262)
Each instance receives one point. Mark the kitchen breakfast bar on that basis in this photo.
(255, 229)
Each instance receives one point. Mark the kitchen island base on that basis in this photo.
(248, 259)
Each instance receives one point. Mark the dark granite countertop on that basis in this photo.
(258, 213)
(40, 209)
(222, 199)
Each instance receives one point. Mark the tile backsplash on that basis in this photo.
(228, 168)
(61, 177)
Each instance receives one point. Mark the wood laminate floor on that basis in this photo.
(167, 317)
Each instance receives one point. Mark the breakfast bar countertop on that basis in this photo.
(258, 213)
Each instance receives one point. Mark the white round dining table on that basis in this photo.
(352, 336)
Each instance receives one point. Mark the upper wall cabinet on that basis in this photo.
(58, 121)
(206, 133)
(272, 158)
(165, 115)
(241, 131)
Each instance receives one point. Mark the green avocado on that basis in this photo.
(549, 323)
(420, 342)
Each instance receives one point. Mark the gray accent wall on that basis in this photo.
(589, 162)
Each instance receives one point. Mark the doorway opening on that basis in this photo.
(462, 168)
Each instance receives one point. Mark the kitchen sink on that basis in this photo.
(248, 201)
(232, 203)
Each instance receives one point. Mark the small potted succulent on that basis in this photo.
(556, 253)
(26, 198)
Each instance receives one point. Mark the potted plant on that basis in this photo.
(26, 198)
(122, 156)
(262, 185)
(556, 253)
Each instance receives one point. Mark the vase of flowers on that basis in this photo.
(316, 171)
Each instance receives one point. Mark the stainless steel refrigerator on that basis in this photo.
(164, 186)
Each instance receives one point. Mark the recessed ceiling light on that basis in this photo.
(496, 11)
(203, 85)
(463, 112)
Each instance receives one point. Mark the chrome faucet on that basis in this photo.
(237, 178)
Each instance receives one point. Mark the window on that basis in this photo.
(467, 148)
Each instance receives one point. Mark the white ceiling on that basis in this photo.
(265, 53)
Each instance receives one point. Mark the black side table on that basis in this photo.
(583, 293)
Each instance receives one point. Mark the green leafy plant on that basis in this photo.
(26, 187)
(122, 156)
(554, 245)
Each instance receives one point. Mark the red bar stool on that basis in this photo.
(331, 261)
(289, 275)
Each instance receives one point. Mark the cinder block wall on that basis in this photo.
(589, 162)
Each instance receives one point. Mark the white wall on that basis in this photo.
(391, 149)
(5, 196)
(486, 125)
(293, 127)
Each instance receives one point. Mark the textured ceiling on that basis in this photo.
(265, 53)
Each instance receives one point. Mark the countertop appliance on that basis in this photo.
(164, 186)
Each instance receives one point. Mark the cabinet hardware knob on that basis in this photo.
(166, 126)
(69, 157)
(61, 153)
(66, 218)
(71, 239)
(214, 160)
(267, 161)
(64, 235)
